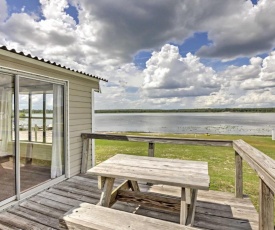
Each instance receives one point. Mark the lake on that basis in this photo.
(213, 123)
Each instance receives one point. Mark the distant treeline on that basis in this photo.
(205, 110)
(35, 111)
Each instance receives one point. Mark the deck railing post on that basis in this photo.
(266, 212)
(85, 154)
(238, 176)
(151, 149)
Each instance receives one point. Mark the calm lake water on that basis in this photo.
(214, 123)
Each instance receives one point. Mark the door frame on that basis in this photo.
(17, 75)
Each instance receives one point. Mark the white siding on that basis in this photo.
(79, 93)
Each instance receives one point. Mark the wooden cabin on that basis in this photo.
(44, 108)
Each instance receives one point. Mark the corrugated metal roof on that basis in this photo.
(51, 63)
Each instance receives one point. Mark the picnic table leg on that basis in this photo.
(101, 181)
(183, 207)
(134, 185)
(192, 208)
(106, 193)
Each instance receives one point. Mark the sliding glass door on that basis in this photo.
(7, 154)
(32, 142)
(41, 125)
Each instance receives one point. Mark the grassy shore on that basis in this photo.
(220, 159)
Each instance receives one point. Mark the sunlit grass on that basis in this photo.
(221, 160)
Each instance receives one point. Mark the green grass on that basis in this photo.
(220, 159)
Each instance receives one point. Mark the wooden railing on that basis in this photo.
(261, 163)
(265, 168)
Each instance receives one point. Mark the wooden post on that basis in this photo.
(266, 212)
(151, 149)
(183, 207)
(238, 176)
(85, 154)
(151, 153)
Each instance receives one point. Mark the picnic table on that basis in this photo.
(188, 175)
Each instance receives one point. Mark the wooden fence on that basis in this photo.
(261, 163)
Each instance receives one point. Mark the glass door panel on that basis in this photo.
(41, 126)
(7, 144)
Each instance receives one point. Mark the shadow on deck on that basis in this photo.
(215, 210)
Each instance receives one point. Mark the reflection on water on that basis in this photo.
(214, 123)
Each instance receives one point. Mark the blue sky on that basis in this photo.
(157, 54)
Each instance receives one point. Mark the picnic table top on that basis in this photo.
(181, 173)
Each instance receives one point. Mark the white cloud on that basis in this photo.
(245, 86)
(107, 32)
(123, 88)
(167, 74)
(246, 31)
(108, 35)
(261, 98)
(3, 10)
(268, 71)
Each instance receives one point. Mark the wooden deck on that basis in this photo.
(215, 210)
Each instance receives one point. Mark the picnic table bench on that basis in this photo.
(89, 216)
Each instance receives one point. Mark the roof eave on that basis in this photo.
(51, 65)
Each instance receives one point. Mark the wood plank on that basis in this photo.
(106, 193)
(45, 210)
(124, 186)
(59, 197)
(152, 160)
(158, 214)
(165, 171)
(6, 227)
(72, 184)
(238, 176)
(183, 207)
(192, 208)
(134, 185)
(147, 163)
(94, 217)
(181, 179)
(101, 181)
(85, 152)
(50, 203)
(218, 223)
(185, 141)
(20, 222)
(64, 187)
(226, 211)
(151, 149)
(154, 200)
(74, 196)
(34, 216)
(266, 212)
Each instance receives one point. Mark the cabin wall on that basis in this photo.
(79, 104)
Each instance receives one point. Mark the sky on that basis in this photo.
(155, 54)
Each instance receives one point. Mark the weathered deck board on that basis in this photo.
(215, 210)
